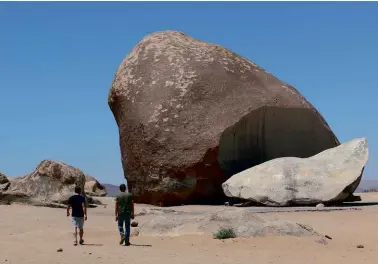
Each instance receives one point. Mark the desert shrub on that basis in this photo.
(225, 233)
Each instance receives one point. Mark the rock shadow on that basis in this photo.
(272, 132)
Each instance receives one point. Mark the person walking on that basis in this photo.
(124, 212)
(79, 213)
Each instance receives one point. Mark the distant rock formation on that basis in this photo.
(51, 181)
(93, 187)
(4, 183)
(50, 184)
(191, 114)
(328, 177)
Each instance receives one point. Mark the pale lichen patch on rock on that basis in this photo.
(290, 90)
(156, 113)
(169, 83)
(183, 80)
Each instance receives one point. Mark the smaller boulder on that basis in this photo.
(331, 176)
(93, 187)
(4, 183)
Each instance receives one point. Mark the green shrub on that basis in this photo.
(225, 233)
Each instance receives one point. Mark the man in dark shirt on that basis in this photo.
(124, 211)
(79, 213)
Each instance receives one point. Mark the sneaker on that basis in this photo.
(81, 241)
(127, 244)
(122, 240)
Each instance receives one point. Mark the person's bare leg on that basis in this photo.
(75, 236)
(81, 234)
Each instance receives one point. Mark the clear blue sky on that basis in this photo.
(57, 61)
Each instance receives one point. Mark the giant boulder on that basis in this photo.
(191, 114)
(328, 177)
(50, 182)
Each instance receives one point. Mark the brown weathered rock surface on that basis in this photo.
(50, 182)
(191, 114)
(4, 182)
(93, 187)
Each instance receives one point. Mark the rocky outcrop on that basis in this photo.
(9, 197)
(93, 187)
(243, 221)
(50, 185)
(50, 182)
(328, 177)
(4, 183)
(191, 114)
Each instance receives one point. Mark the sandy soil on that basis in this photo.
(30, 235)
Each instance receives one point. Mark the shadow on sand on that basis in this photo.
(140, 245)
(358, 204)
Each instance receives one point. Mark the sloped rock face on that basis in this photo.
(191, 114)
(93, 187)
(330, 176)
(50, 182)
(4, 182)
(244, 222)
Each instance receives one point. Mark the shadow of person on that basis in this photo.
(140, 245)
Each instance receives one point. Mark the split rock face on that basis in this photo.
(191, 114)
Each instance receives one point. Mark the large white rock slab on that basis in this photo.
(330, 176)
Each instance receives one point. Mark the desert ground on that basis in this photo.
(30, 235)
